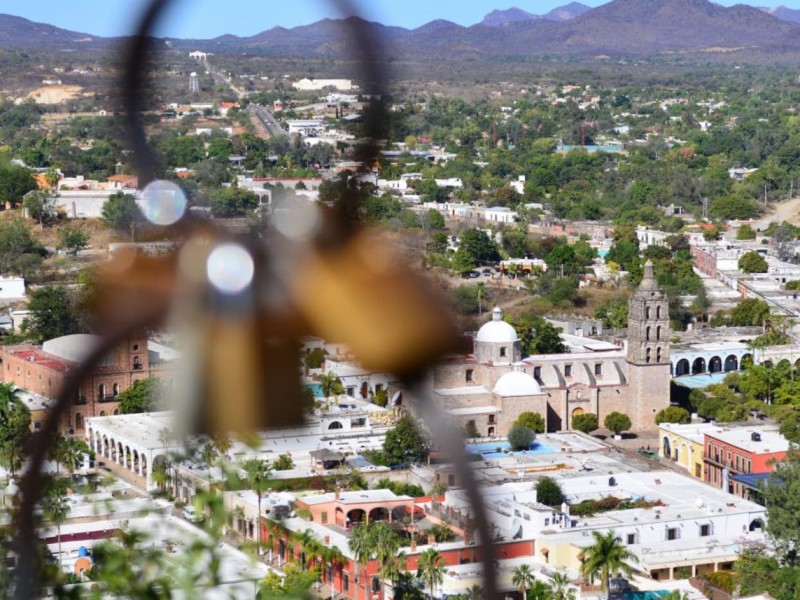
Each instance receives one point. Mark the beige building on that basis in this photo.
(492, 386)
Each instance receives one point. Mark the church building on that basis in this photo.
(491, 387)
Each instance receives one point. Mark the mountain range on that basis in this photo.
(636, 28)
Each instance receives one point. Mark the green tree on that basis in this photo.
(15, 182)
(41, 206)
(549, 492)
(462, 261)
(143, 396)
(745, 232)
(233, 202)
(56, 506)
(538, 336)
(562, 260)
(540, 591)
(625, 253)
(257, 475)
(431, 568)
(732, 207)
(479, 245)
(70, 453)
(284, 462)
(750, 312)
(607, 555)
(404, 443)
(362, 545)
(51, 314)
(532, 420)
(561, 588)
(121, 213)
(471, 430)
(72, 239)
(617, 422)
(330, 385)
(586, 422)
(315, 358)
(753, 262)
(523, 578)
(433, 220)
(20, 252)
(673, 414)
(521, 438)
(15, 422)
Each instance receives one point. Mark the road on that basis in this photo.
(788, 210)
(265, 117)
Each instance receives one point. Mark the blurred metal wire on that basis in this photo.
(384, 313)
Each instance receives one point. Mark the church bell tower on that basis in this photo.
(648, 351)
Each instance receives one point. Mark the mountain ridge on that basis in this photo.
(617, 28)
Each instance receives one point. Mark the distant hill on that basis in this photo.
(784, 14)
(498, 18)
(567, 12)
(620, 28)
(22, 34)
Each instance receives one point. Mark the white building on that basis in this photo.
(307, 84)
(12, 288)
(305, 126)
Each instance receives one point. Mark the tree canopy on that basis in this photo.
(51, 314)
(404, 443)
(143, 396)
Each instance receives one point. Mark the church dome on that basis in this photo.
(497, 331)
(517, 383)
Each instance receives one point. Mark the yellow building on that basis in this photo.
(683, 444)
(38, 405)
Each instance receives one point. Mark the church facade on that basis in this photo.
(491, 387)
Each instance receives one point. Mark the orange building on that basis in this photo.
(43, 370)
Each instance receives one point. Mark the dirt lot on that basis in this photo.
(55, 94)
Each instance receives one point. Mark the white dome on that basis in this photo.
(74, 348)
(497, 331)
(517, 383)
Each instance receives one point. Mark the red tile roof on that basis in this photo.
(36, 356)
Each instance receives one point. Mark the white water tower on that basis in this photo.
(194, 83)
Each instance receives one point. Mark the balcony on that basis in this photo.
(108, 398)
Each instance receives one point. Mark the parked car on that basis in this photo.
(191, 514)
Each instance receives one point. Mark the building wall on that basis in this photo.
(98, 392)
(683, 452)
(720, 455)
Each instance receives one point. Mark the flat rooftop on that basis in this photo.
(741, 437)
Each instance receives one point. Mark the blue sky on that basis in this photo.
(209, 18)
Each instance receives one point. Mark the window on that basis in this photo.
(324, 516)
(647, 355)
(137, 363)
(78, 421)
(135, 347)
(115, 390)
(546, 522)
(647, 312)
(451, 480)
(567, 370)
(705, 529)
(491, 419)
(647, 334)
(658, 354)
(101, 391)
(673, 533)
(469, 375)
(537, 372)
(598, 369)
(631, 539)
(346, 582)
(503, 351)
(658, 332)
(471, 425)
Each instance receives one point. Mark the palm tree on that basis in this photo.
(330, 385)
(258, 474)
(222, 442)
(70, 453)
(333, 558)
(606, 556)
(209, 454)
(430, 568)
(56, 507)
(406, 587)
(523, 578)
(392, 569)
(361, 544)
(540, 591)
(481, 294)
(15, 430)
(561, 589)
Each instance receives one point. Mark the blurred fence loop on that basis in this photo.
(243, 304)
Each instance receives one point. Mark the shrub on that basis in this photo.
(521, 438)
(531, 420)
(673, 414)
(284, 462)
(587, 422)
(548, 491)
(617, 422)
